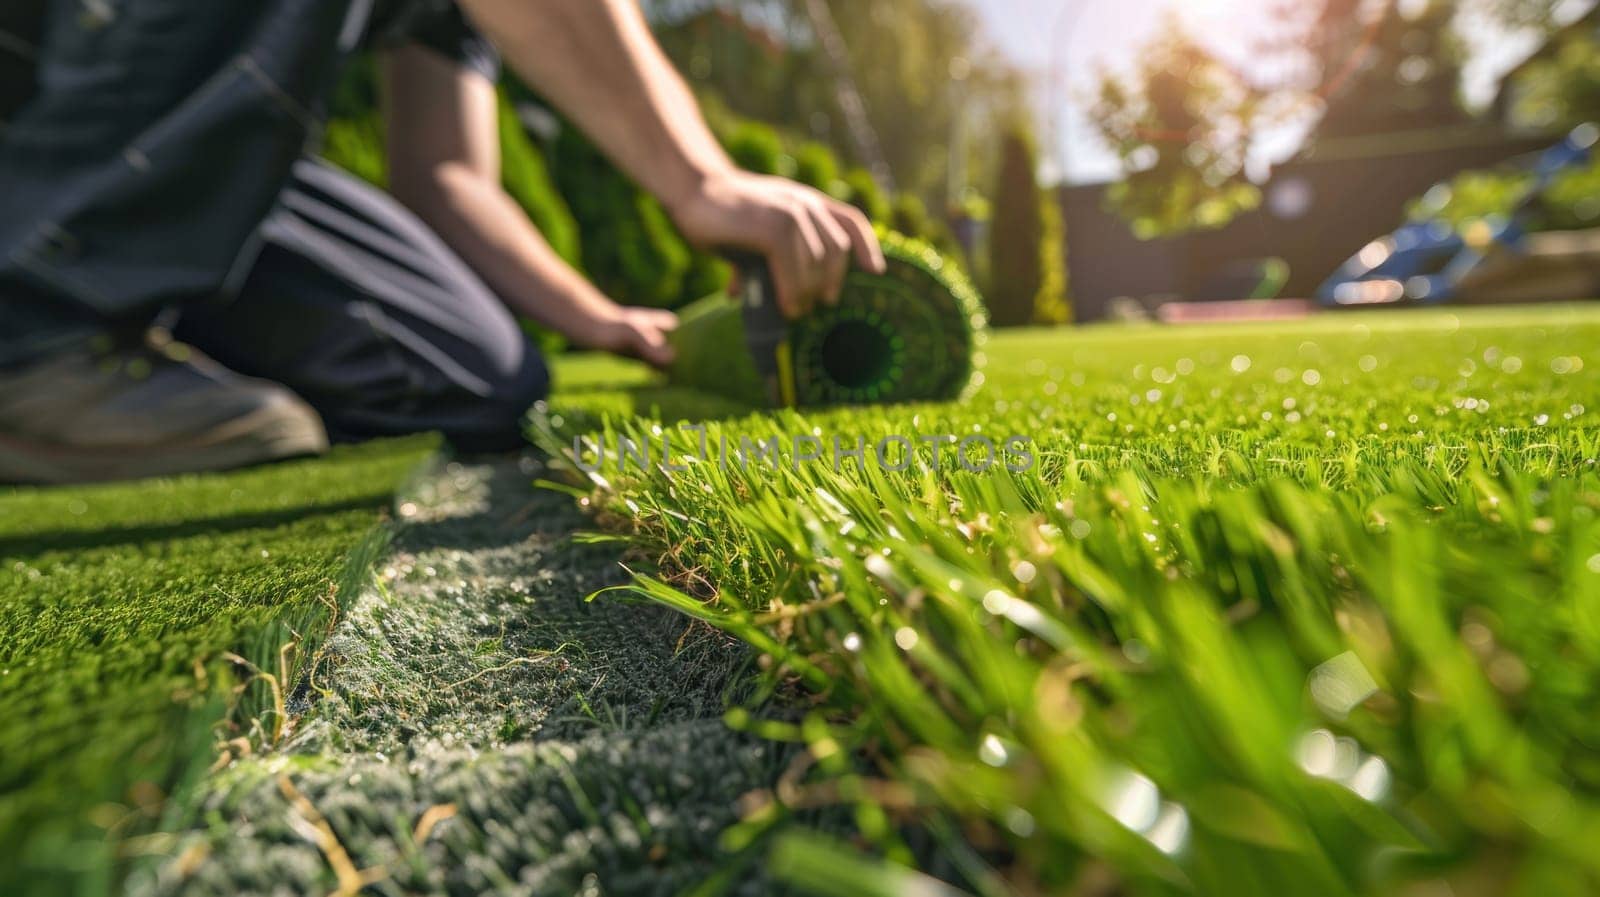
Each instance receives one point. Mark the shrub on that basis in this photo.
(815, 164)
(863, 192)
(756, 147)
(356, 145)
(1569, 202)
(527, 179)
(354, 141)
(1560, 90)
(630, 249)
(1573, 200)
(354, 137)
(1027, 276)
(707, 274)
(910, 216)
(1053, 303)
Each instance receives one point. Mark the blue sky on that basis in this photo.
(1109, 33)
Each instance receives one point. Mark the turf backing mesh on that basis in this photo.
(476, 726)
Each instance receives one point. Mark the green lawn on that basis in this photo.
(1308, 608)
(118, 605)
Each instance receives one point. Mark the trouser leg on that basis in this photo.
(361, 309)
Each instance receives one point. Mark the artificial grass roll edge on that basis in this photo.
(913, 333)
(138, 620)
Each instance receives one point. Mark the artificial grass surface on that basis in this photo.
(118, 604)
(1306, 609)
(1303, 608)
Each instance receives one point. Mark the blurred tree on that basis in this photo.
(1559, 87)
(1027, 276)
(1183, 126)
(1394, 70)
(753, 57)
(1535, 15)
(1185, 122)
(917, 64)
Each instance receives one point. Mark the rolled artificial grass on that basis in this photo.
(910, 334)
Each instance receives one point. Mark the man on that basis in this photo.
(152, 168)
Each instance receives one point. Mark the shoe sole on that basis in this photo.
(266, 436)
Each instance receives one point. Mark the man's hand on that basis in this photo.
(644, 117)
(635, 332)
(808, 238)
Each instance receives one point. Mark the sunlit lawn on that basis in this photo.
(1308, 609)
(1304, 609)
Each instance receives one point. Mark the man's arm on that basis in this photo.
(597, 61)
(444, 156)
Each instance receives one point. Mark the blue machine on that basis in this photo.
(1425, 262)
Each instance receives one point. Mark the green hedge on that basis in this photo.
(863, 192)
(597, 219)
(630, 249)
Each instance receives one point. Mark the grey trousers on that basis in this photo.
(365, 313)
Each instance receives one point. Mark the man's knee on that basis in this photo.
(496, 418)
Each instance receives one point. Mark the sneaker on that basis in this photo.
(144, 411)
